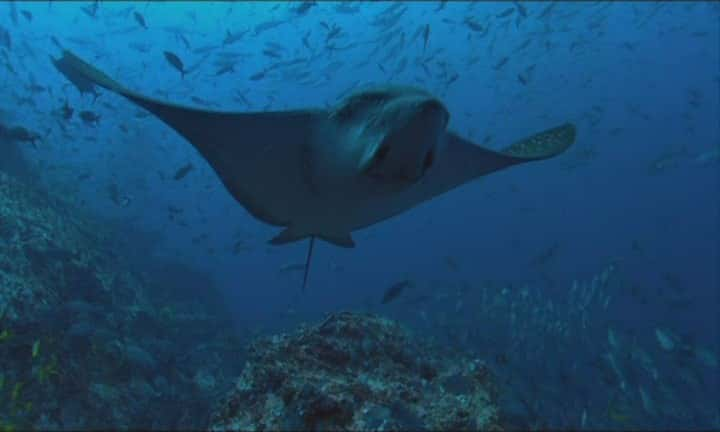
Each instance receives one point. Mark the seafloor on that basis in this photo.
(88, 343)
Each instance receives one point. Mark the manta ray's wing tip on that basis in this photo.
(546, 144)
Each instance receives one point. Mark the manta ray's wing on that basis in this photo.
(260, 157)
(462, 161)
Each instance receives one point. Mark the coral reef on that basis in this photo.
(357, 372)
(86, 343)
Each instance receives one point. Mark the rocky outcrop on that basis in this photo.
(86, 343)
(357, 372)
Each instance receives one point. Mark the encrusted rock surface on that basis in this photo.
(357, 372)
(87, 343)
(48, 256)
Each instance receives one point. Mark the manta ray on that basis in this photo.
(324, 173)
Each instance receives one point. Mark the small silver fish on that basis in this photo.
(140, 19)
(175, 62)
(394, 291)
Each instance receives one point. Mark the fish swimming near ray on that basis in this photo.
(175, 62)
(324, 173)
(394, 291)
(80, 82)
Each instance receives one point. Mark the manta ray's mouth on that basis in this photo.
(395, 178)
(408, 149)
(381, 167)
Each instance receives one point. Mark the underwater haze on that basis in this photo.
(589, 282)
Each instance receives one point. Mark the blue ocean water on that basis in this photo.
(632, 205)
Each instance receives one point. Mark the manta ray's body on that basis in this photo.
(326, 173)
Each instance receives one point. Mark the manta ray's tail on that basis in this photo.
(307, 262)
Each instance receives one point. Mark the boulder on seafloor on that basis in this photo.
(357, 372)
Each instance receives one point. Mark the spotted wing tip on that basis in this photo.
(545, 144)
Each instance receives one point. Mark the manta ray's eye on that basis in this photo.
(346, 113)
(381, 153)
(428, 161)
